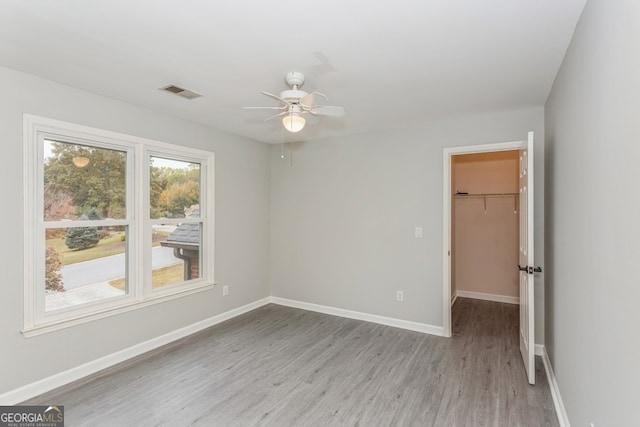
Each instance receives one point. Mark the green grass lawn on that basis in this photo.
(111, 245)
(160, 277)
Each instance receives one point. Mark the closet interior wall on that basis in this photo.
(485, 226)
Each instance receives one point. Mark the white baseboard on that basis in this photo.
(29, 391)
(488, 297)
(563, 419)
(388, 321)
(454, 299)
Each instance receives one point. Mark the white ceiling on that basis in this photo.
(388, 63)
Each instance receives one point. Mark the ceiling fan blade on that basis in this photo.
(308, 101)
(276, 97)
(310, 118)
(276, 115)
(265, 108)
(328, 110)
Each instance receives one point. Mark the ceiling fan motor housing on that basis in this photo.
(293, 95)
(294, 79)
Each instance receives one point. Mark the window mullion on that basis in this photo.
(140, 255)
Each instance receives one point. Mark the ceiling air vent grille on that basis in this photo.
(185, 93)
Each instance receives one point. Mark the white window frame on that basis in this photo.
(138, 221)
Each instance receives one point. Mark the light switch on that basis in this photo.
(418, 231)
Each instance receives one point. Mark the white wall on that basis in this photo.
(242, 229)
(343, 215)
(592, 217)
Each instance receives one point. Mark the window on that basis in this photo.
(112, 223)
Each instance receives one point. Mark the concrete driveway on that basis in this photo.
(88, 281)
(109, 268)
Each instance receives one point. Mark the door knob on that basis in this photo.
(530, 270)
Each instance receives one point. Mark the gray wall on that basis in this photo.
(592, 217)
(343, 215)
(242, 229)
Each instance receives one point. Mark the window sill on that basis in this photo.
(108, 312)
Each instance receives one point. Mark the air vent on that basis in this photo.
(185, 93)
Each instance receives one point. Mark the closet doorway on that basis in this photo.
(484, 226)
(482, 198)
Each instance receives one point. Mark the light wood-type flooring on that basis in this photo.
(280, 366)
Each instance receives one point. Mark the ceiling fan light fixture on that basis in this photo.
(293, 122)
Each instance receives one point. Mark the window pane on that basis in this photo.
(175, 256)
(81, 180)
(175, 188)
(84, 264)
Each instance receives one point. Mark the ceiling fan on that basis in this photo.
(298, 106)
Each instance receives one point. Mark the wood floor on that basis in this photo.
(279, 366)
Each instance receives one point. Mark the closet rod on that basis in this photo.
(461, 195)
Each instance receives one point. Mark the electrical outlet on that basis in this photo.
(399, 296)
(225, 290)
(418, 231)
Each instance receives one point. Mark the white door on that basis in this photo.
(526, 265)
